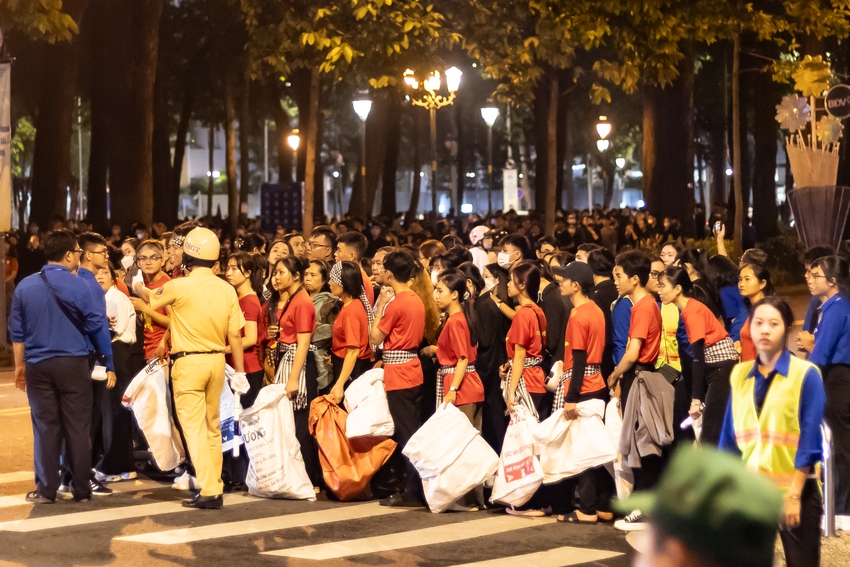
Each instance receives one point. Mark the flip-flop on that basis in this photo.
(572, 518)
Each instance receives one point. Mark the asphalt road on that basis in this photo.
(144, 524)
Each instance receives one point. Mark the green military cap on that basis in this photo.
(710, 502)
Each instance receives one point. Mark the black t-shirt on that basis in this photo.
(557, 315)
(603, 295)
(493, 328)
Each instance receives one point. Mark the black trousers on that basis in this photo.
(59, 391)
(361, 366)
(717, 390)
(118, 420)
(398, 475)
(836, 382)
(802, 544)
(255, 383)
(309, 448)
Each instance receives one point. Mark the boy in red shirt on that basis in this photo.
(400, 324)
(151, 256)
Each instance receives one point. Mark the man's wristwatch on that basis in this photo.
(453, 389)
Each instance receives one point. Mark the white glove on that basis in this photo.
(239, 383)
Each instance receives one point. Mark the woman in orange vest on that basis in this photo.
(773, 421)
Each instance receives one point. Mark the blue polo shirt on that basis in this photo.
(832, 334)
(37, 321)
(812, 400)
(808, 323)
(734, 311)
(621, 316)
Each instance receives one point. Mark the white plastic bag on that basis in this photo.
(268, 429)
(230, 408)
(519, 474)
(567, 448)
(451, 457)
(366, 403)
(147, 396)
(624, 479)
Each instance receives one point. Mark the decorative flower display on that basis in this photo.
(793, 114)
(812, 76)
(829, 129)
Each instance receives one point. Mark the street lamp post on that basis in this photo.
(362, 107)
(431, 100)
(603, 128)
(490, 114)
(294, 140)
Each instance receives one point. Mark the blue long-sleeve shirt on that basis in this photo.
(734, 311)
(832, 334)
(37, 321)
(809, 323)
(812, 400)
(621, 316)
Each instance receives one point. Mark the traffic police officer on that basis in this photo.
(205, 317)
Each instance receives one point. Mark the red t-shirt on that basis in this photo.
(453, 345)
(645, 324)
(253, 311)
(404, 325)
(153, 330)
(526, 332)
(586, 331)
(748, 346)
(701, 324)
(351, 329)
(300, 317)
(119, 283)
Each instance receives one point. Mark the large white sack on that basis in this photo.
(268, 429)
(147, 396)
(230, 408)
(567, 448)
(451, 457)
(519, 474)
(366, 403)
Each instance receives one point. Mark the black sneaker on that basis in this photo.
(37, 498)
(97, 489)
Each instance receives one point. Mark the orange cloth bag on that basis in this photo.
(346, 469)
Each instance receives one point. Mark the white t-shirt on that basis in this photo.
(119, 306)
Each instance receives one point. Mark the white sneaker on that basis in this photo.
(186, 482)
(631, 523)
(102, 477)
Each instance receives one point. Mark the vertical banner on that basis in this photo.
(5, 149)
(509, 190)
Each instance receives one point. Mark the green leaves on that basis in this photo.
(40, 19)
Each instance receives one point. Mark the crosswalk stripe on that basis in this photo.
(559, 557)
(403, 540)
(107, 515)
(337, 514)
(18, 476)
(118, 487)
(14, 411)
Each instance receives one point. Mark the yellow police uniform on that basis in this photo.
(203, 310)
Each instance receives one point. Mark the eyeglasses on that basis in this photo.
(311, 244)
(145, 259)
(105, 253)
(656, 275)
(811, 276)
(77, 251)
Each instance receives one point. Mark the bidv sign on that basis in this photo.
(838, 101)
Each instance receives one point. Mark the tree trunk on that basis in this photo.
(667, 130)
(569, 181)
(230, 154)
(765, 132)
(244, 148)
(51, 169)
(736, 143)
(210, 178)
(417, 170)
(549, 204)
(319, 172)
(388, 181)
(541, 129)
(161, 151)
(312, 140)
(281, 127)
(170, 209)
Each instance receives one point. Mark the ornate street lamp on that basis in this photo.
(293, 141)
(362, 106)
(490, 114)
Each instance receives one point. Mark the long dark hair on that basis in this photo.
(324, 270)
(679, 277)
(455, 281)
(722, 272)
(780, 305)
(352, 280)
(473, 274)
(762, 274)
(836, 270)
(696, 258)
(250, 262)
(528, 274)
(294, 266)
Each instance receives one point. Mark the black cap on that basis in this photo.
(578, 272)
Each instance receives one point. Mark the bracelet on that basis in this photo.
(696, 404)
(793, 497)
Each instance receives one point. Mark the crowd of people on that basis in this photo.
(476, 318)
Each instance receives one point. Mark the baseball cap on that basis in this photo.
(717, 508)
(579, 272)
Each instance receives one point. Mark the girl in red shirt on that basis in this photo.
(245, 273)
(754, 285)
(351, 354)
(457, 348)
(291, 323)
(714, 353)
(523, 374)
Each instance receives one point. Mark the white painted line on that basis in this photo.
(117, 487)
(10, 412)
(232, 529)
(403, 540)
(18, 476)
(559, 557)
(107, 515)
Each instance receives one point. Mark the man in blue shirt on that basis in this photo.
(52, 364)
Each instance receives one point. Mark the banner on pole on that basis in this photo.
(5, 148)
(509, 190)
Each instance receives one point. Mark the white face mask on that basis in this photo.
(127, 262)
(434, 276)
(504, 259)
(489, 283)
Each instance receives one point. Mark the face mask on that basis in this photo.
(434, 276)
(504, 259)
(127, 262)
(489, 284)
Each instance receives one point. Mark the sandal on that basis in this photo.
(572, 518)
(607, 519)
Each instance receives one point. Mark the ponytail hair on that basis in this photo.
(679, 277)
(455, 281)
(836, 270)
(251, 262)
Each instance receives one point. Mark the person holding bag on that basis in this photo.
(351, 354)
